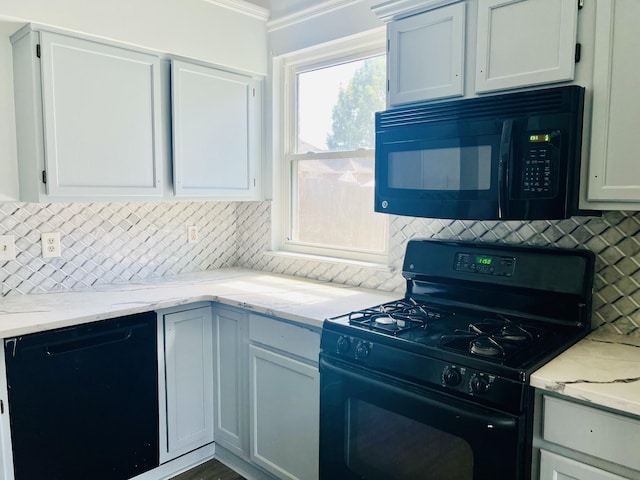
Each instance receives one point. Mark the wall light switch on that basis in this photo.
(192, 234)
(7, 247)
(51, 245)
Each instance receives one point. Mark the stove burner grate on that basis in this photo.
(396, 317)
(492, 337)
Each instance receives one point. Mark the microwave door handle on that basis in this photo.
(506, 143)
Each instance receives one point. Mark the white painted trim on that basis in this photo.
(384, 267)
(307, 14)
(362, 45)
(394, 9)
(242, 7)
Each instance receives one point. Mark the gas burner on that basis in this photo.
(515, 333)
(399, 316)
(486, 347)
(385, 320)
(503, 329)
(493, 338)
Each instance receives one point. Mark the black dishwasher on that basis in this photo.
(83, 400)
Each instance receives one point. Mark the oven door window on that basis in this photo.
(377, 427)
(382, 445)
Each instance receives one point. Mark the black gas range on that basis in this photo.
(475, 321)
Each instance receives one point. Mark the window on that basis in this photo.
(332, 96)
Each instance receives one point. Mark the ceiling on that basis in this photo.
(284, 8)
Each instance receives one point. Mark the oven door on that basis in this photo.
(375, 427)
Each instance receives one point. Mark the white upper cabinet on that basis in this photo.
(525, 42)
(216, 133)
(614, 172)
(448, 48)
(88, 119)
(426, 55)
(95, 122)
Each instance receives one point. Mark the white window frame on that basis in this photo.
(369, 44)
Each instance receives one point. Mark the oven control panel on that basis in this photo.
(467, 380)
(485, 264)
(464, 381)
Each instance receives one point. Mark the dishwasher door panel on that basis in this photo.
(83, 400)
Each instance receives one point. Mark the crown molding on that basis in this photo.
(395, 9)
(308, 13)
(240, 6)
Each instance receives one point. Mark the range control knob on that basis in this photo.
(451, 376)
(480, 384)
(362, 350)
(343, 344)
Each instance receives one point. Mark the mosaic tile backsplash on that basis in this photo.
(116, 242)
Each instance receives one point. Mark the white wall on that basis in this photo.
(191, 28)
(8, 159)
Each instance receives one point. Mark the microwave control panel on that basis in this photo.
(539, 175)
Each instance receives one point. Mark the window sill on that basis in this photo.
(334, 260)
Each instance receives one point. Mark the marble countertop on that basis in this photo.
(300, 300)
(602, 369)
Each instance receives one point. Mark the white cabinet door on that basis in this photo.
(556, 467)
(101, 107)
(285, 410)
(426, 55)
(614, 174)
(188, 346)
(525, 42)
(216, 133)
(231, 377)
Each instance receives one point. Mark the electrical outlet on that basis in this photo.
(192, 234)
(7, 247)
(51, 245)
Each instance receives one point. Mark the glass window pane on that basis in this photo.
(336, 105)
(335, 204)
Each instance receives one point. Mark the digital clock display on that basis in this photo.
(484, 260)
(540, 138)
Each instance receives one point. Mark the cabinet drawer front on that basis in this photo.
(601, 434)
(285, 336)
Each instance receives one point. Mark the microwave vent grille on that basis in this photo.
(512, 105)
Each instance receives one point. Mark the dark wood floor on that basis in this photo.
(211, 470)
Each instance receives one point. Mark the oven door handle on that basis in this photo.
(494, 421)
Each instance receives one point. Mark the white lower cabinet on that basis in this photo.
(284, 398)
(556, 467)
(231, 378)
(582, 442)
(186, 369)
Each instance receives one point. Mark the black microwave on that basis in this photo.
(513, 156)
